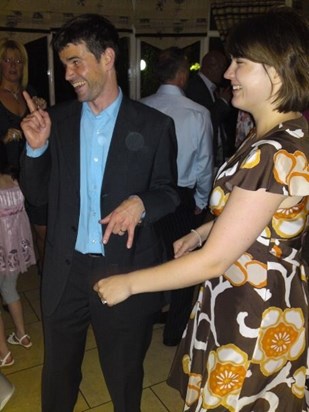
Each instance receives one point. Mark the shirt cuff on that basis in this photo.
(36, 152)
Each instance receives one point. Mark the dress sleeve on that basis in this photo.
(273, 167)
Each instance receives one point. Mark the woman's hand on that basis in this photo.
(12, 135)
(186, 244)
(39, 102)
(114, 289)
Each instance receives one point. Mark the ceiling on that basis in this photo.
(26, 20)
(158, 16)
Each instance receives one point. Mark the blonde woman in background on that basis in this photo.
(13, 80)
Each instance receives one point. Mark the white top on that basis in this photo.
(194, 137)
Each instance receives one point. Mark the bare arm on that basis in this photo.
(191, 241)
(245, 216)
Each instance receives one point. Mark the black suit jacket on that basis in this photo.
(141, 160)
(220, 111)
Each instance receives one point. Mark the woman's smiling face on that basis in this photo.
(251, 84)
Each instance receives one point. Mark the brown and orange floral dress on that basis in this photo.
(246, 344)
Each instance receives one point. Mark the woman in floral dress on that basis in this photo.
(246, 344)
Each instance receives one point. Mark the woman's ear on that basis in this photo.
(274, 76)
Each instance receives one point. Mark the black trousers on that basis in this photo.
(171, 228)
(122, 340)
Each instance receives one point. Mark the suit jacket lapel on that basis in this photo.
(123, 124)
(70, 140)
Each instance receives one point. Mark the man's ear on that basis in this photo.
(108, 57)
(182, 78)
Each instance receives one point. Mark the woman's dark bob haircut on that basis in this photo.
(279, 39)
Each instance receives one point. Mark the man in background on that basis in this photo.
(195, 170)
(209, 89)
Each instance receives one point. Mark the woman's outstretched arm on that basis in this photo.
(245, 216)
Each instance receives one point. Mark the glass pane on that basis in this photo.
(149, 53)
(122, 66)
(38, 78)
(149, 82)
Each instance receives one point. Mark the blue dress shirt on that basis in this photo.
(96, 132)
(95, 137)
(194, 137)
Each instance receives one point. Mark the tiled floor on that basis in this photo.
(25, 373)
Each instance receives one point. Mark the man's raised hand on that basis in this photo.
(36, 125)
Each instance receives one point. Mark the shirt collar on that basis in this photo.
(110, 111)
(170, 89)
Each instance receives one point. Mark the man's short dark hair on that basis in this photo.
(170, 61)
(94, 30)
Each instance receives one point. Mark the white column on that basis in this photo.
(204, 46)
(50, 70)
(134, 67)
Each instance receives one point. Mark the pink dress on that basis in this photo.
(16, 245)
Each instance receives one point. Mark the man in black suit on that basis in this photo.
(106, 166)
(206, 89)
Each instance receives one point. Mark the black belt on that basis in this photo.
(94, 255)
